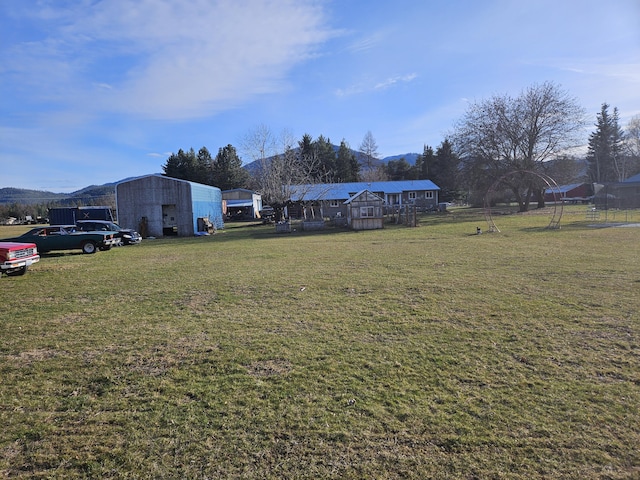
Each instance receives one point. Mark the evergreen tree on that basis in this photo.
(400, 170)
(424, 163)
(326, 155)
(227, 171)
(181, 165)
(445, 171)
(308, 157)
(604, 155)
(189, 166)
(204, 166)
(347, 165)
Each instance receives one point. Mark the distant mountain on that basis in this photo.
(24, 196)
(95, 193)
(88, 195)
(85, 195)
(409, 157)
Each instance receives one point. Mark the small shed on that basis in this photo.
(364, 211)
(157, 206)
(242, 203)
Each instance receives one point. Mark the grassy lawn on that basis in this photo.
(426, 352)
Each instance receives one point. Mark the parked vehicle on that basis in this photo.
(268, 214)
(70, 215)
(125, 236)
(16, 258)
(66, 237)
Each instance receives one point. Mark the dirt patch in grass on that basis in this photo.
(269, 368)
(30, 357)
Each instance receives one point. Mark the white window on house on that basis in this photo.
(412, 195)
(334, 203)
(367, 212)
(428, 194)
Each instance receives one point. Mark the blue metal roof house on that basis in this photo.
(330, 197)
(157, 205)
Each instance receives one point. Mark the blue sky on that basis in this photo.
(95, 91)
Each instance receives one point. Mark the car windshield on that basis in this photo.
(101, 226)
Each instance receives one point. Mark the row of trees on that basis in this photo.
(535, 131)
(307, 162)
(441, 167)
(225, 171)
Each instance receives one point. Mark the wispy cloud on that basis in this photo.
(389, 82)
(369, 86)
(366, 43)
(167, 59)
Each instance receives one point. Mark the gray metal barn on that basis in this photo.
(156, 206)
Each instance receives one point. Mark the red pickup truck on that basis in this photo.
(16, 257)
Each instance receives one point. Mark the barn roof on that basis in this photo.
(563, 188)
(159, 175)
(634, 178)
(343, 191)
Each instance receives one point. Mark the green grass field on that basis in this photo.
(426, 352)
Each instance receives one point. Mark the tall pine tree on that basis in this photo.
(445, 171)
(227, 171)
(347, 165)
(604, 155)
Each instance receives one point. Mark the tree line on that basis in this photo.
(537, 131)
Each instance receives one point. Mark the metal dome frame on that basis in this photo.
(553, 187)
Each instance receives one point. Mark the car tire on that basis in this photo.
(18, 272)
(89, 247)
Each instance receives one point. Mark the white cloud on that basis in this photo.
(393, 80)
(168, 58)
(367, 43)
(368, 86)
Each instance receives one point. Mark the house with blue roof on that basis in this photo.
(327, 200)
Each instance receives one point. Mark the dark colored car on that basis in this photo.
(66, 237)
(125, 236)
(268, 214)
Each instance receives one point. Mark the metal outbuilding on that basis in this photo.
(157, 206)
(242, 203)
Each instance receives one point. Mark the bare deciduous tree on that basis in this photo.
(505, 134)
(369, 152)
(281, 166)
(632, 145)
